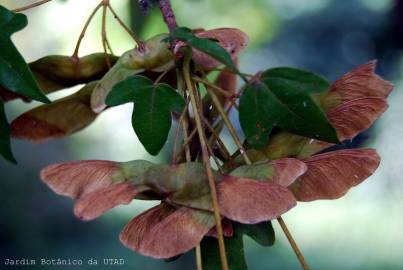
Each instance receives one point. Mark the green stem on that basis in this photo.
(206, 160)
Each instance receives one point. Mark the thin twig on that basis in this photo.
(229, 125)
(168, 14)
(216, 136)
(108, 45)
(161, 76)
(104, 38)
(82, 34)
(216, 161)
(186, 142)
(185, 122)
(226, 69)
(31, 6)
(199, 264)
(176, 138)
(293, 244)
(127, 29)
(206, 161)
(215, 87)
(185, 125)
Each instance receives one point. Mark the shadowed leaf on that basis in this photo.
(165, 232)
(6, 95)
(272, 101)
(262, 233)
(304, 81)
(234, 249)
(15, 74)
(153, 105)
(352, 104)
(60, 118)
(331, 175)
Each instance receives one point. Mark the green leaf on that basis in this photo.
(262, 233)
(153, 105)
(254, 114)
(15, 74)
(5, 147)
(207, 46)
(273, 100)
(234, 248)
(123, 92)
(304, 81)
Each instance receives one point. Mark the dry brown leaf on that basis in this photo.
(250, 201)
(331, 175)
(165, 232)
(57, 119)
(356, 100)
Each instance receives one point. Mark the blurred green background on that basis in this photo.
(362, 230)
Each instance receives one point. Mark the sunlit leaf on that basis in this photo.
(123, 93)
(5, 147)
(56, 72)
(15, 74)
(154, 56)
(153, 105)
(115, 75)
